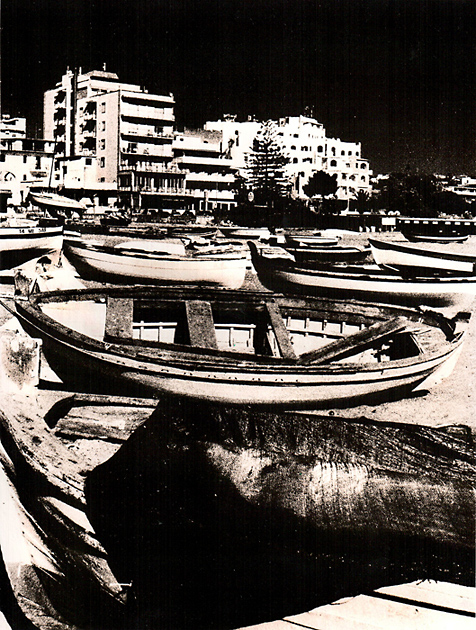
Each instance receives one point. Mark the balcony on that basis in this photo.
(148, 136)
(146, 112)
(60, 97)
(151, 167)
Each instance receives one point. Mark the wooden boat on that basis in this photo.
(443, 238)
(328, 253)
(58, 205)
(434, 230)
(225, 488)
(115, 219)
(244, 232)
(153, 262)
(209, 481)
(51, 442)
(365, 282)
(237, 346)
(419, 260)
(311, 240)
(21, 243)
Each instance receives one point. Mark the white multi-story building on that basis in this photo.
(304, 141)
(104, 129)
(24, 162)
(209, 176)
(117, 139)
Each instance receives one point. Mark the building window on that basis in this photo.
(2, 157)
(24, 178)
(102, 162)
(342, 152)
(363, 178)
(320, 149)
(362, 166)
(295, 160)
(103, 143)
(293, 147)
(102, 179)
(88, 161)
(24, 159)
(344, 176)
(103, 125)
(103, 108)
(350, 152)
(333, 150)
(333, 162)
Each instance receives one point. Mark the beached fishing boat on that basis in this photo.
(51, 442)
(157, 261)
(298, 239)
(244, 232)
(19, 243)
(441, 237)
(421, 260)
(238, 346)
(58, 205)
(366, 282)
(311, 254)
(102, 496)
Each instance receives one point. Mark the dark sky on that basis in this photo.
(397, 75)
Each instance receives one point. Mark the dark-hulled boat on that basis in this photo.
(214, 490)
(247, 347)
(366, 282)
(50, 443)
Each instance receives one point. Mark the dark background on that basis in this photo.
(399, 75)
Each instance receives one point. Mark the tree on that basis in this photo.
(361, 201)
(410, 194)
(265, 167)
(321, 185)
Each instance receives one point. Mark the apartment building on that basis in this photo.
(210, 176)
(24, 162)
(115, 141)
(109, 135)
(305, 142)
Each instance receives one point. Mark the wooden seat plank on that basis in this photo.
(357, 342)
(119, 318)
(201, 327)
(280, 331)
(441, 594)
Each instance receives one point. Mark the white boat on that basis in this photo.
(239, 347)
(245, 232)
(21, 243)
(311, 240)
(57, 204)
(421, 260)
(158, 261)
(366, 282)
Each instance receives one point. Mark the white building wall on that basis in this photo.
(304, 141)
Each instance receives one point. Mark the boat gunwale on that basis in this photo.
(421, 251)
(239, 255)
(193, 358)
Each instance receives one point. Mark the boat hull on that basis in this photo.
(18, 244)
(226, 270)
(91, 363)
(426, 261)
(365, 284)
